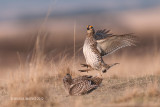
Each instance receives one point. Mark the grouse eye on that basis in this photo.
(67, 74)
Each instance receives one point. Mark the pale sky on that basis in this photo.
(13, 9)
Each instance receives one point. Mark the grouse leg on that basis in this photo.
(85, 65)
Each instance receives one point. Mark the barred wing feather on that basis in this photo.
(115, 42)
(101, 34)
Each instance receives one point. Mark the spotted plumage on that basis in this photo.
(101, 43)
(81, 85)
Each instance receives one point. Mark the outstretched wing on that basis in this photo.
(115, 42)
(101, 34)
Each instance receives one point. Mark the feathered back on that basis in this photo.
(81, 85)
(96, 80)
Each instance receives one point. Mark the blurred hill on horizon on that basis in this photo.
(19, 17)
(22, 21)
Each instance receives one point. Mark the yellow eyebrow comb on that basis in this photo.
(90, 26)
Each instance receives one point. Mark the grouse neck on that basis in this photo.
(67, 86)
(70, 81)
(90, 35)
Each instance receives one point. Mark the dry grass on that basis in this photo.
(35, 80)
(150, 93)
(38, 82)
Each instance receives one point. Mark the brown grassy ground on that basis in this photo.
(38, 81)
